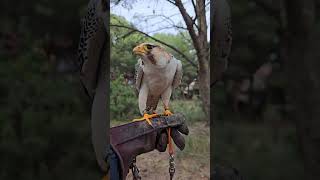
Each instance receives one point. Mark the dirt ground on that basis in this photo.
(154, 165)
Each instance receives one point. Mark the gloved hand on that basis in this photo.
(132, 139)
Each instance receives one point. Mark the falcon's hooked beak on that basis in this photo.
(145, 49)
(140, 50)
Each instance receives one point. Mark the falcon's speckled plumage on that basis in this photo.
(157, 74)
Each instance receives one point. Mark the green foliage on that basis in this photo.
(122, 43)
(190, 108)
(123, 101)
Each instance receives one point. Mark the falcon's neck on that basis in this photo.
(158, 60)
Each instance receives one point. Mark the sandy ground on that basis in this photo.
(154, 165)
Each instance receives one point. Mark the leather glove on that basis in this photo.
(132, 139)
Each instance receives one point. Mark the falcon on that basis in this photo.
(158, 73)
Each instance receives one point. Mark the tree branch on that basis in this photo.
(208, 3)
(194, 22)
(189, 22)
(126, 35)
(194, 7)
(187, 39)
(165, 18)
(202, 22)
(180, 27)
(157, 40)
(166, 27)
(172, 2)
(196, 13)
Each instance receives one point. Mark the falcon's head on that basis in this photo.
(153, 53)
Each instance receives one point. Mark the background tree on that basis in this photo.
(197, 28)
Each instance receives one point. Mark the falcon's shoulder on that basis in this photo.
(178, 74)
(138, 75)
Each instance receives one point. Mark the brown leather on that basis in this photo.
(132, 139)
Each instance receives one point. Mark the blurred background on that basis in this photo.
(159, 22)
(266, 108)
(44, 112)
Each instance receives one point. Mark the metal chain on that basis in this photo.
(172, 169)
(134, 169)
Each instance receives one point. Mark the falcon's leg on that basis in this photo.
(143, 97)
(147, 117)
(167, 112)
(165, 96)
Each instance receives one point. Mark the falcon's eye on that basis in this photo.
(149, 46)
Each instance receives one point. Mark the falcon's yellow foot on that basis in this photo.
(167, 112)
(146, 117)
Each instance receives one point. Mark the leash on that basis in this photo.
(172, 169)
(135, 171)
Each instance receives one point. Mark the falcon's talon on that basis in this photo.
(167, 112)
(146, 117)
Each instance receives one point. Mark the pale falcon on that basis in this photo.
(157, 74)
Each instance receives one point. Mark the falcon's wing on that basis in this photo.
(178, 75)
(93, 59)
(138, 76)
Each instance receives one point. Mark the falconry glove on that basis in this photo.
(135, 138)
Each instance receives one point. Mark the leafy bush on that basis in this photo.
(192, 109)
(123, 101)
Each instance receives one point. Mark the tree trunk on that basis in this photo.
(302, 69)
(201, 45)
(203, 58)
(204, 82)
